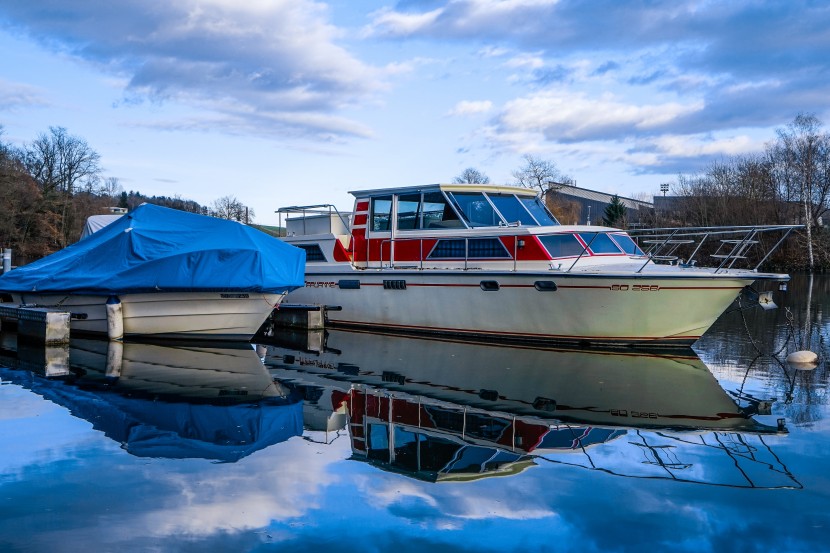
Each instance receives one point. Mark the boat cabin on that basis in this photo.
(461, 226)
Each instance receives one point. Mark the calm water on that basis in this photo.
(359, 442)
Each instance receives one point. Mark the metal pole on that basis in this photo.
(7, 260)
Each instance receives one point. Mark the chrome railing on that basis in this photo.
(311, 210)
(726, 245)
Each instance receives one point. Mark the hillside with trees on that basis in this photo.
(49, 187)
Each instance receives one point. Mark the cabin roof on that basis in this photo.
(494, 188)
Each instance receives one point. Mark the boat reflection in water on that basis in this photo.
(167, 401)
(450, 410)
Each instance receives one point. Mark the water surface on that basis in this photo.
(364, 442)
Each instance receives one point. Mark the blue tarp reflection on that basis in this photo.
(173, 402)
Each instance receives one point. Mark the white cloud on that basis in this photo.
(16, 95)
(270, 59)
(390, 22)
(470, 107)
(526, 61)
(695, 146)
(565, 117)
(487, 8)
(493, 52)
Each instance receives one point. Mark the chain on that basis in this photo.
(790, 331)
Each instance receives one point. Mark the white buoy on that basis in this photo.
(115, 319)
(803, 360)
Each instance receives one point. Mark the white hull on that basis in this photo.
(650, 309)
(226, 315)
(491, 261)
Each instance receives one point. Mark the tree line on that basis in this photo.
(788, 183)
(49, 187)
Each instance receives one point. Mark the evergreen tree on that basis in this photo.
(615, 213)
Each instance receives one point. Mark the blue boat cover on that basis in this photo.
(157, 249)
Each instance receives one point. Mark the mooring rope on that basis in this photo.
(790, 331)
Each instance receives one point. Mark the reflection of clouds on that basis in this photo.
(102, 495)
(448, 505)
(34, 428)
(241, 496)
(18, 404)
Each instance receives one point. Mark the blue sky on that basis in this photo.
(284, 102)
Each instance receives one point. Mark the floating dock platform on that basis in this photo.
(308, 317)
(42, 324)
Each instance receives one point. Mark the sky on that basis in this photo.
(296, 102)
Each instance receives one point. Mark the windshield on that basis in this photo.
(539, 211)
(512, 209)
(477, 209)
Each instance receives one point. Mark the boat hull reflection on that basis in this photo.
(586, 386)
(455, 411)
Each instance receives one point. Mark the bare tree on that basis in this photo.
(111, 188)
(228, 207)
(60, 164)
(539, 173)
(60, 161)
(566, 211)
(24, 226)
(471, 175)
(801, 160)
(736, 191)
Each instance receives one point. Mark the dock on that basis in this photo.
(301, 316)
(41, 324)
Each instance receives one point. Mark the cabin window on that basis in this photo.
(312, 252)
(472, 460)
(627, 244)
(381, 213)
(478, 248)
(539, 211)
(409, 216)
(378, 442)
(475, 209)
(562, 245)
(438, 213)
(599, 242)
(512, 209)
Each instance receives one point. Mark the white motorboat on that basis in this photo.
(163, 273)
(491, 261)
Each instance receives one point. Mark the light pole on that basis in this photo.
(664, 188)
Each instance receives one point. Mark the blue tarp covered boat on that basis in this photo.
(174, 273)
(159, 249)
